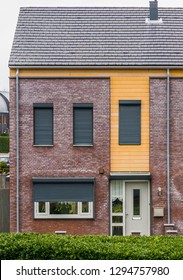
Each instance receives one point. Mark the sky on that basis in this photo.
(9, 10)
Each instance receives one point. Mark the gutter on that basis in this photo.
(17, 150)
(168, 145)
(95, 67)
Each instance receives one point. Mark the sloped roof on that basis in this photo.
(4, 104)
(97, 37)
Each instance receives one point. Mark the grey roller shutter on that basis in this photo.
(130, 122)
(53, 190)
(43, 124)
(83, 124)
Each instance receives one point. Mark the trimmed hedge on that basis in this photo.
(4, 144)
(31, 246)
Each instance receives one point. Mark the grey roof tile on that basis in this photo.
(97, 37)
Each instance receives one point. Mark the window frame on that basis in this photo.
(129, 103)
(43, 106)
(83, 106)
(61, 189)
(79, 215)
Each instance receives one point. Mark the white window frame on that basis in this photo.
(119, 214)
(47, 215)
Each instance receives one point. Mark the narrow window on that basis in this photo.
(85, 207)
(116, 207)
(136, 202)
(42, 207)
(129, 122)
(43, 124)
(83, 124)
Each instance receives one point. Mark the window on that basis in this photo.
(63, 210)
(129, 122)
(43, 124)
(117, 207)
(136, 202)
(83, 124)
(63, 198)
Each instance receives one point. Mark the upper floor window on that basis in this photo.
(83, 124)
(43, 124)
(129, 121)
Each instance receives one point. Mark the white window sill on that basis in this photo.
(68, 217)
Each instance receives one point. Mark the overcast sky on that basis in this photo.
(9, 10)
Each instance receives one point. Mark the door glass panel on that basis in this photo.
(136, 202)
(117, 230)
(117, 205)
(117, 219)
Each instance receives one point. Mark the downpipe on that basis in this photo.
(168, 146)
(17, 150)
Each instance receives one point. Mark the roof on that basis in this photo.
(91, 37)
(4, 107)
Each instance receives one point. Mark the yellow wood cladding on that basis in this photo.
(129, 157)
(86, 72)
(125, 85)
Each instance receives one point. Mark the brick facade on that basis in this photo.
(63, 159)
(176, 153)
(158, 155)
(66, 160)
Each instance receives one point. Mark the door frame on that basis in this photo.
(124, 203)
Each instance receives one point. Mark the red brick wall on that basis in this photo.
(158, 146)
(62, 160)
(176, 153)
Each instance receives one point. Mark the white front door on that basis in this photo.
(137, 208)
(130, 207)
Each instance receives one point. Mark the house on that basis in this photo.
(96, 121)
(4, 112)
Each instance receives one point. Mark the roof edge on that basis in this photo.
(99, 67)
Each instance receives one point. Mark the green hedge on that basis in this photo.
(4, 144)
(30, 246)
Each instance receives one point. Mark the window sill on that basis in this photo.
(43, 146)
(87, 217)
(130, 144)
(83, 145)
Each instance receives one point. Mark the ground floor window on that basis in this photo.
(63, 198)
(61, 209)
